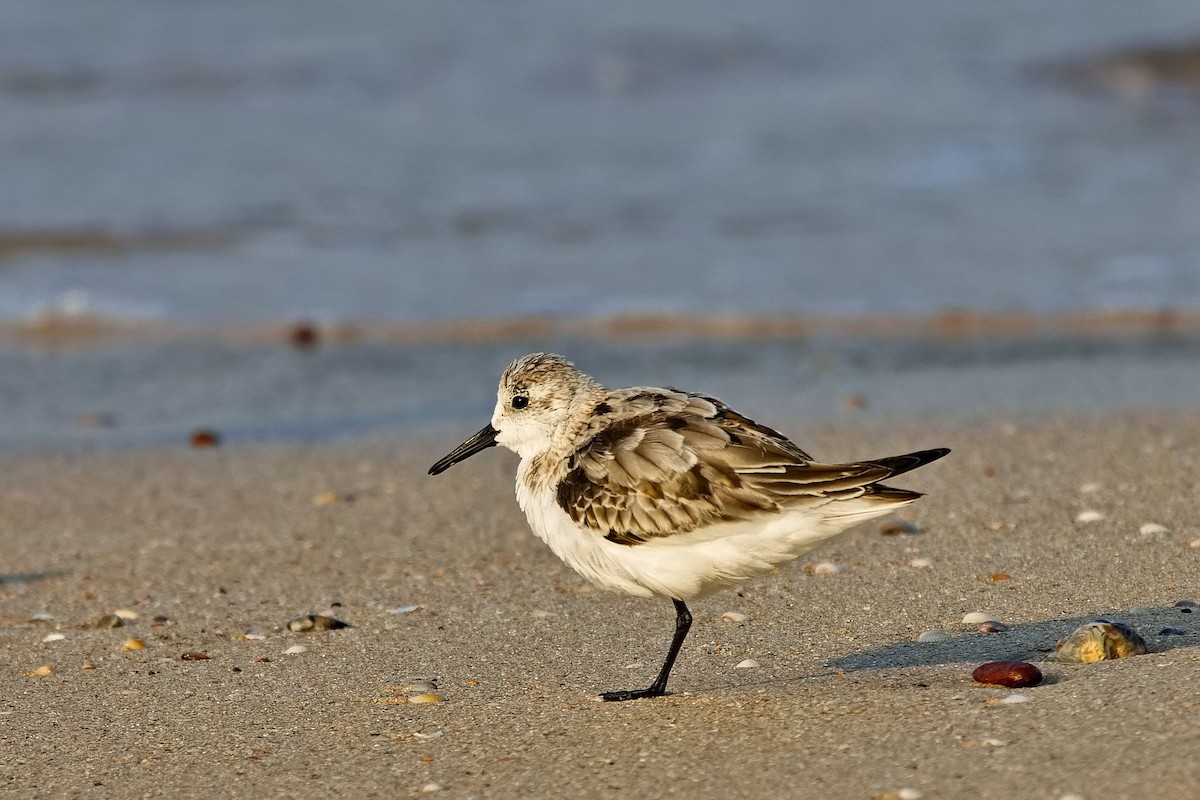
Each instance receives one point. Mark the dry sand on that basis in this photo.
(844, 705)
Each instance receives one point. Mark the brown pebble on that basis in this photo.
(992, 627)
(195, 656)
(1013, 674)
(205, 437)
(304, 336)
(88, 666)
(1001, 576)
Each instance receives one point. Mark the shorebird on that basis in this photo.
(660, 492)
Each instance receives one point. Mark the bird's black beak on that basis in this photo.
(481, 441)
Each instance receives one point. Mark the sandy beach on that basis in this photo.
(197, 548)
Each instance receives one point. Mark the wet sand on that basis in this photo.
(844, 704)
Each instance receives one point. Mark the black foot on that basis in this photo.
(632, 694)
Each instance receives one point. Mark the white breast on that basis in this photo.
(683, 565)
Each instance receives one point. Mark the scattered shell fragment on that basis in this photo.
(295, 650)
(733, 616)
(898, 527)
(1194, 543)
(1012, 674)
(403, 609)
(1163, 632)
(433, 787)
(42, 618)
(748, 663)
(326, 499)
(1088, 516)
(921, 563)
(315, 622)
(127, 614)
(899, 794)
(133, 644)
(195, 656)
(1154, 529)
(44, 671)
(254, 634)
(827, 568)
(977, 617)
(1098, 641)
(428, 697)
(431, 735)
(1014, 698)
(54, 637)
(110, 621)
(933, 636)
(88, 666)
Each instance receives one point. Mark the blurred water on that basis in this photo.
(414, 161)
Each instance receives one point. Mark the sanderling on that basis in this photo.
(659, 492)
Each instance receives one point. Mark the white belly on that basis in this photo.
(683, 565)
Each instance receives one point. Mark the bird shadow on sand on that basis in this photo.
(1033, 641)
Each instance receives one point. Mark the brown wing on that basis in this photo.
(676, 462)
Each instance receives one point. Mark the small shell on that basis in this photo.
(127, 614)
(748, 663)
(826, 568)
(992, 627)
(54, 637)
(1098, 641)
(921, 563)
(428, 697)
(295, 650)
(977, 617)
(44, 671)
(110, 621)
(1088, 516)
(933, 636)
(733, 616)
(133, 644)
(1012, 674)
(1154, 529)
(1014, 698)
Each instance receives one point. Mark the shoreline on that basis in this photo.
(844, 703)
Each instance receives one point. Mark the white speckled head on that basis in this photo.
(539, 399)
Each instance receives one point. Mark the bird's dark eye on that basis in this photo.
(520, 401)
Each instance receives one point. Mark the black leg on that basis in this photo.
(683, 621)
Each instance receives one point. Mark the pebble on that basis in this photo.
(899, 794)
(1089, 516)
(203, 438)
(1012, 674)
(1163, 632)
(1185, 604)
(1014, 698)
(921, 563)
(126, 614)
(1099, 641)
(898, 527)
(733, 616)
(826, 568)
(748, 663)
(933, 636)
(255, 634)
(54, 637)
(1154, 529)
(110, 621)
(992, 627)
(295, 650)
(1000, 576)
(196, 656)
(44, 671)
(977, 617)
(133, 644)
(433, 787)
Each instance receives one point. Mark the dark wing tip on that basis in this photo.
(910, 461)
